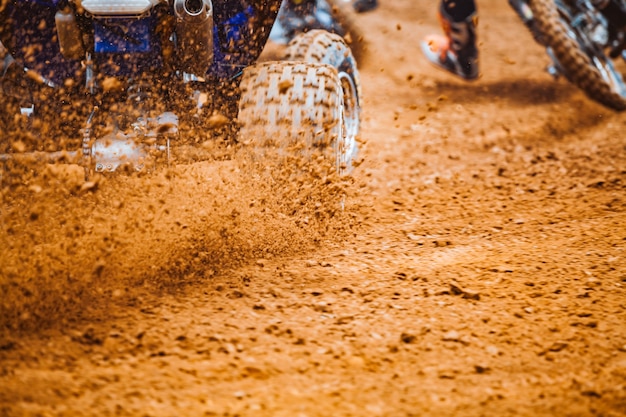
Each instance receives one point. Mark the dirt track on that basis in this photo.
(478, 268)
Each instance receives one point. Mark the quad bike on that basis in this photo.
(110, 84)
(582, 38)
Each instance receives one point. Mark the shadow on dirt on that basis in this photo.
(520, 93)
(569, 110)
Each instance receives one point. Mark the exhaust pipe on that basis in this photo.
(194, 32)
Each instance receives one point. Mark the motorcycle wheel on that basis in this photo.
(583, 64)
(296, 109)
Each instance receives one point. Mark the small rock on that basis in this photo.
(408, 338)
(451, 336)
(356, 362)
(502, 268)
(400, 275)
(591, 393)
(255, 372)
(481, 369)
(35, 189)
(492, 350)
(558, 346)
(413, 237)
(446, 374)
(456, 289)
(237, 294)
(89, 186)
(322, 307)
(471, 295)
(344, 320)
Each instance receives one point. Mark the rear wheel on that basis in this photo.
(581, 61)
(296, 108)
(320, 46)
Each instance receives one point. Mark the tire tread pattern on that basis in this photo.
(327, 48)
(290, 103)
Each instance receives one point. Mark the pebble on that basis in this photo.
(356, 362)
(451, 336)
(457, 289)
(558, 346)
(35, 188)
(88, 186)
(492, 350)
(481, 369)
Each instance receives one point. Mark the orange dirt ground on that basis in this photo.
(478, 268)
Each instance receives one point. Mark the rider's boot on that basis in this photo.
(456, 51)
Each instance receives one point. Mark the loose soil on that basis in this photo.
(476, 268)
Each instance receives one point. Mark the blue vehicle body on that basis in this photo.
(128, 46)
(139, 68)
